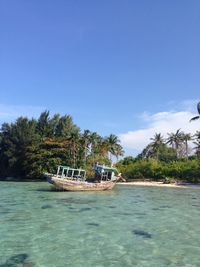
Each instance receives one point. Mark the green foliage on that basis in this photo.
(158, 161)
(126, 161)
(161, 152)
(180, 170)
(166, 154)
(29, 148)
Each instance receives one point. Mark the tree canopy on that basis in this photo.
(31, 147)
(165, 159)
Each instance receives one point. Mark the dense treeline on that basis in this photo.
(30, 147)
(165, 159)
(179, 170)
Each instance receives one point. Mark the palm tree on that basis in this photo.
(95, 140)
(196, 117)
(146, 152)
(197, 142)
(197, 135)
(186, 137)
(175, 140)
(112, 144)
(197, 147)
(119, 151)
(157, 142)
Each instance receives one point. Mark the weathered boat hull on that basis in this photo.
(72, 185)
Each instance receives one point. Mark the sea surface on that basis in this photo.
(128, 226)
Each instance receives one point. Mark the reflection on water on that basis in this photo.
(128, 226)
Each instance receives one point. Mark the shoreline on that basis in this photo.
(161, 184)
(133, 183)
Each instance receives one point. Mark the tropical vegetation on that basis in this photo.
(31, 147)
(170, 159)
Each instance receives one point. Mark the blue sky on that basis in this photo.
(107, 63)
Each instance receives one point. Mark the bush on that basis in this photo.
(181, 170)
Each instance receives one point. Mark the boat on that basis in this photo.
(71, 179)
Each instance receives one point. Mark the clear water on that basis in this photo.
(128, 226)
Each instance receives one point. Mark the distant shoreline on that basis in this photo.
(12, 179)
(133, 183)
(161, 184)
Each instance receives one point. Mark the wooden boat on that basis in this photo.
(70, 179)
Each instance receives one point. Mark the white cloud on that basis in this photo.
(161, 122)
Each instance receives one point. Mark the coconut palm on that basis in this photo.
(197, 135)
(119, 151)
(157, 142)
(175, 140)
(197, 117)
(186, 137)
(197, 147)
(197, 142)
(112, 146)
(95, 140)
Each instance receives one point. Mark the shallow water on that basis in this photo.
(128, 226)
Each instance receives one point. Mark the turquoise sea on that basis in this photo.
(128, 226)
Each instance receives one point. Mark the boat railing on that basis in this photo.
(71, 173)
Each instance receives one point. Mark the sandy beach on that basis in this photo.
(161, 184)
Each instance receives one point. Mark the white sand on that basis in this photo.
(161, 184)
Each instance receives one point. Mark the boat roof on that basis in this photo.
(106, 168)
(97, 166)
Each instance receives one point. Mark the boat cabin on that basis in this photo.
(105, 173)
(71, 173)
(102, 173)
